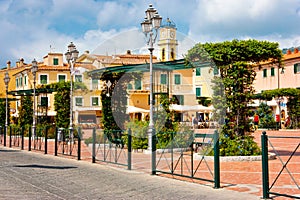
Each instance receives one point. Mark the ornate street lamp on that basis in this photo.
(71, 57)
(6, 81)
(34, 69)
(150, 26)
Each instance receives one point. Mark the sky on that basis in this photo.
(32, 28)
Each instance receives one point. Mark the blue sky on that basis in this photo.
(30, 27)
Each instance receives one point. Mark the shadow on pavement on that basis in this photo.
(45, 166)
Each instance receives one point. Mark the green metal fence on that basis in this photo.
(286, 159)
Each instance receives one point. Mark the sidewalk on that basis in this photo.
(31, 175)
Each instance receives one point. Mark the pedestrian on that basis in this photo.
(195, 122)
(256, 121)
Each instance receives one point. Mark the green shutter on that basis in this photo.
(95, 101)
(129, 86)
(295, 68)
(265, 73)
(198, 71)
(216, 71)
(272, 71)
(44, 101)
(55, 61)
(177, 79)
(61, 78)
(138, 84)
(163, 79)
(198, 92)
(43, 79)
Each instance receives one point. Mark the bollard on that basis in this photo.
(129, 149)
(55, 141)
(216, 160)
(29, 139)
(10, 133)
(79, 143)
(46, 140)
(22, 138)
(94, 146)
(265, 165)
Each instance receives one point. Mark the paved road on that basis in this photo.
(29, 175)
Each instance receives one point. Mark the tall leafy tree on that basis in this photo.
(25, 111)
(2, 112)
(236, 60)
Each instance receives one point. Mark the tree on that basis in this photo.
(2, 112)
(25, 111)
(236, 60)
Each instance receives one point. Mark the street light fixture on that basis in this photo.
(150, 26)
(6, 81)
(71, 57)
(34, 69)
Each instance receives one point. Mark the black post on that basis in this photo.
(153, 155)
(55, 141)
(4, 137)
(29, 139)
(79, 143)
(129, 149)
(10, 133)
(22, 138)
(265, 165)
(216, 160)
(94, 146)
(46, 140)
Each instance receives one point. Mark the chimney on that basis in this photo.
(296, 50)
(128, 52)
(288, 52)
(21, 62)
(8, 64)
(18, 63)
(87, 52)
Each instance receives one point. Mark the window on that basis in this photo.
(25, 80)
(78, 101)
(138, 84)
(61, 78)
(265, 73)
(198, 71)
(296, 68)
(94, 84)
(178, 99)
(163, 79)
(17, 82)
(216, 71)
(21, 81)
(44, 101)
(198, 92)
(129, 86)
(163, 54)
(43, 79)
(177, 79)
(272, 71)
(95, 101)
(172, 54)
(78, 78)
(55, 61)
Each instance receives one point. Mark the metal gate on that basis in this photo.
(16, 137)
(68, 144)
(285, 182)
(185, 155)
(112, 146)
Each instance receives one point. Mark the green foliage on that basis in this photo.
(293, 104)
(2, 112)
(62, 104)
(266, 118)
(25, 111)
(238, 146)
(139, 134)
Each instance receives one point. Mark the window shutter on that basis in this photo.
(198, 71)
(295, 68)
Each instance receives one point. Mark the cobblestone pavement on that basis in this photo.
(242, 176)
(31, 175)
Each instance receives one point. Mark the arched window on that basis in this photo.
(163, 54)
(172, 54)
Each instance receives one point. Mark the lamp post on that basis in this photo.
(279, 99)
(150, 26)
(71, 57)
(6, 81)
(34, 69)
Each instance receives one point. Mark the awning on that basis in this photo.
(186, 108)
(133, 109)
